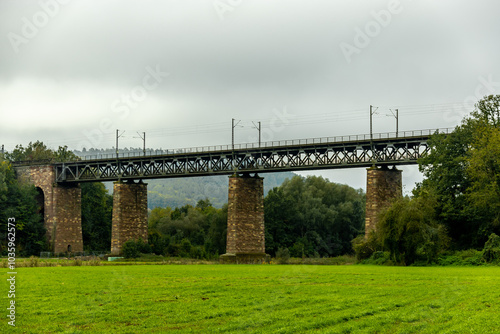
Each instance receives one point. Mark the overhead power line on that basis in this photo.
(294, 120)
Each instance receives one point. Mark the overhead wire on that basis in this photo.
(292, 120)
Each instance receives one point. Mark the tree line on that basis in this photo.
(457, 205)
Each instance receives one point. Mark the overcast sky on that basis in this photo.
(72, 72)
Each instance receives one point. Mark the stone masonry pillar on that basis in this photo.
(383, 185)
(67, 221)
(245, 220)
(62, 207)
(130, 214)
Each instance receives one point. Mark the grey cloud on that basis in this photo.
(263, 55)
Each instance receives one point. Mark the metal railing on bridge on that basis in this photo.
(270, 144)
(286, 155)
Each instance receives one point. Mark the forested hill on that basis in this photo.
(181, 191)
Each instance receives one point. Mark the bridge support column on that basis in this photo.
(383, 185)
(61, 207)
(66, 224)
(245, 220)
(130, 214)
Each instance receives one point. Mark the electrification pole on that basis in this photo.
(258, 129)
(118, 135)
(143, 137)
(397, 123)
(396, 116)
(371, 123)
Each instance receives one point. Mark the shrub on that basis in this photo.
(283, 255)
(365, 247)
(33, 261)
(298, 250)
(470, 257)
(379, 258)
(185, 247)
(129, 249)
(198, 252)
(491, 250)
(173, 249)
(95, 261)
(143, 247)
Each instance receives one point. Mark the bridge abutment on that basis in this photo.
(130, 214)
(383, 185)
(245, 220)
(61, 208)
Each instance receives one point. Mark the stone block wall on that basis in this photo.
(130, 214)
(67, 224)
(383, 185)
(62, 208)
(245, 221)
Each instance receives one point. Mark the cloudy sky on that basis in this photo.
(72, 72)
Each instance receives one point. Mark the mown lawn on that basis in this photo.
(255, 299)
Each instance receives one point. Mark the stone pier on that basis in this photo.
(62, 208)
(130, 214)
(245, 220)
(383, 185)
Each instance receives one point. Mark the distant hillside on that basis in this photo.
(181, 191)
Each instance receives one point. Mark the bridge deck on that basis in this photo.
(292, 155)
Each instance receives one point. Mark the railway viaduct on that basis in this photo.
(59, 183)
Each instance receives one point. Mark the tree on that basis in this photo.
(38, 151)
(461, 172)
(483, 170)
(97, 207)
(409, 230)
(189, 231)
(313, 217)
(18, 200)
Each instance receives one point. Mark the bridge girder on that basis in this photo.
(398, 151)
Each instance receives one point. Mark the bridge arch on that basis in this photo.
(40, 199)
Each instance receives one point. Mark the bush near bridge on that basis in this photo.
(456, 207)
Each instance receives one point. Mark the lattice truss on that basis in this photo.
(286, 158)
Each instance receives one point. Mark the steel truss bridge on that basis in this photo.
(379, 149)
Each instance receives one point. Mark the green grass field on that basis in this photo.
(255, 299)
